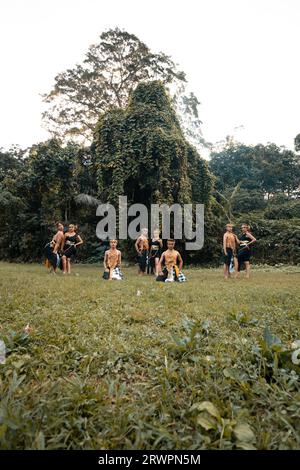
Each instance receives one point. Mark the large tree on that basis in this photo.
(141, 152)
(112, 68)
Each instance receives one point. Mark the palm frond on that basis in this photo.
(86, 200)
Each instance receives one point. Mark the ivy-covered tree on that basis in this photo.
(141, 152)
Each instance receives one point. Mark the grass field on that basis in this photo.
(206, 364)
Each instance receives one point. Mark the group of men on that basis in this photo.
(167, 265)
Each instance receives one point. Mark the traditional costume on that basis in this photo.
(52, 259)
(171, 271)
(113, 270)
(155, 252)
(244, 252)
(69, 246)
(143, 254)
(230, 248)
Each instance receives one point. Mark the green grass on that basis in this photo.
(201, 365)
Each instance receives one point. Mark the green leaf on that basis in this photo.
(233, 374)
(18, 364)
(209, 407)
(296, 357)
(206, 422)
(244, 433)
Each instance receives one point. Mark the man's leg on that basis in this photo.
(226, 271)
(236, 267)
(247, 266)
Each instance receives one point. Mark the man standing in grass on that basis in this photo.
(53, 248)
(230, 243)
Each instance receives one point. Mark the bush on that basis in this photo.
(289, 209)
(248, 200)
(278, 241)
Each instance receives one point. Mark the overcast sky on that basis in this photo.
(241, 58)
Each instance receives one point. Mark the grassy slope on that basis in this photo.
(105, 368)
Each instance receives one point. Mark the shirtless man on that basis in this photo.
(53, 248)
(142, 248)
(112, 260)
(172, 261)
(230, 242)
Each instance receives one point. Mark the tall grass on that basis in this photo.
(205, 364)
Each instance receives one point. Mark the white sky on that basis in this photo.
(241, 58)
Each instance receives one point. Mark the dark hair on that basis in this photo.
(171, 240)
(58, 223)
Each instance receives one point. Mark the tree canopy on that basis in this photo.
(112, 68)
(266, 168)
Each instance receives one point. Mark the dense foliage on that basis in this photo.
(265, 168)
(37, 190)
(141, 152)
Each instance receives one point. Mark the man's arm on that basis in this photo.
(180, 261)
(137, 244)
(119, 259)
(105, 260)
(224, 244)
(160, 263)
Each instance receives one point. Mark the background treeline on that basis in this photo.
(52, 182)
(123, 123)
